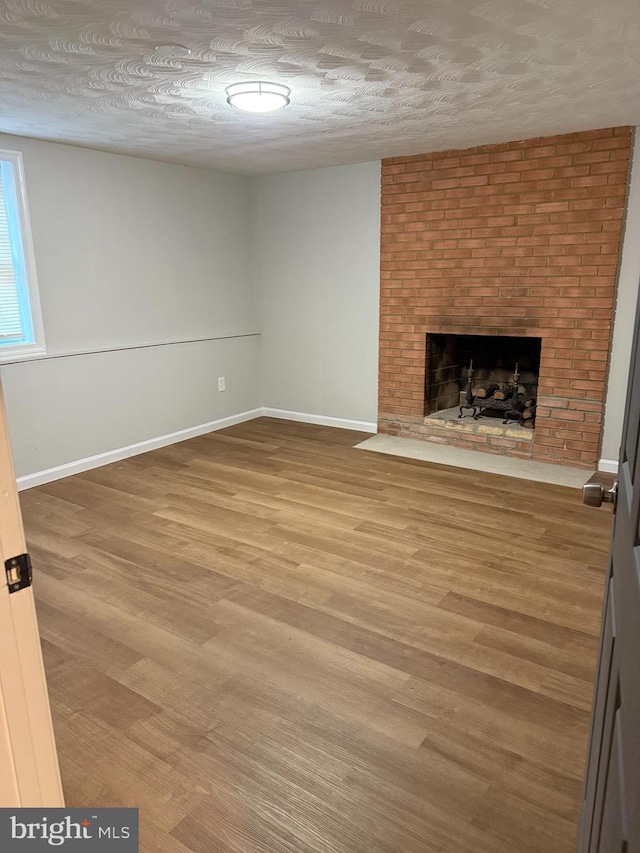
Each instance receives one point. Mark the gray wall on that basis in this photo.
(316, 237)
(131, 252)
(628, 282)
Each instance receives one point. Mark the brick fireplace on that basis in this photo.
(520, 239)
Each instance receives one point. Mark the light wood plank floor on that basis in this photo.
(273, 643)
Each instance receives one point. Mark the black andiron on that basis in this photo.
(468, 397)
(510, 405)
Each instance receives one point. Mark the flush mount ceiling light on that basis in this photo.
(258, 96)
(172, 51)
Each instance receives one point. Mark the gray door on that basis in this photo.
(610, 820)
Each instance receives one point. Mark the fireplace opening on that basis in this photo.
(492, 360)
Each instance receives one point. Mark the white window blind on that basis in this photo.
(12, 325)
(20, 327)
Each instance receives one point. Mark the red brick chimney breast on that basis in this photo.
(521, 239)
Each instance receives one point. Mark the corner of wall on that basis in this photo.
(624, 315)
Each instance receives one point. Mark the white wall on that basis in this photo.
(628, 282)
(131, 252)
(316, 237)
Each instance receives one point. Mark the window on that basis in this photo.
(20, 321)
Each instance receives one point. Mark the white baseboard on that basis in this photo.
(89, 462)
(321, 420)
(610, 466)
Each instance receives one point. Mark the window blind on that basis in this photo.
(15, 315)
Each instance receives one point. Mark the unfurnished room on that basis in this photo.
(319, 426)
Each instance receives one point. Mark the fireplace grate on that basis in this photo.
(512, 404)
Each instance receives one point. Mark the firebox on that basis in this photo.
(493, 359)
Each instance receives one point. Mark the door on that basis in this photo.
(29, 775)
(610, 819)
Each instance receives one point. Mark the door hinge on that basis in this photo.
(18, 571)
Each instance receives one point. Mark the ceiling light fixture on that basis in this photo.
(258, 96)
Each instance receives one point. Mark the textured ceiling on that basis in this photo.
(370, 78)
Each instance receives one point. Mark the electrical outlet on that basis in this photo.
(222, 385)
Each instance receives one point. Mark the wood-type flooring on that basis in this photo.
(271, 642)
